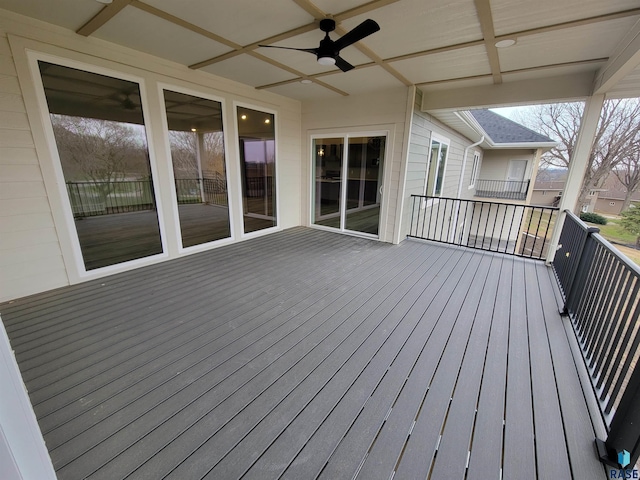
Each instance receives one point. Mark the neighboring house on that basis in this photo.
(607, 200)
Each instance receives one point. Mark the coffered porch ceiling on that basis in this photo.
(447, 48)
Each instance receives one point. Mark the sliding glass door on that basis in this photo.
(348, 183)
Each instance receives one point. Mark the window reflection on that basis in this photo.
(198, 157)
(258, 168)
(99, 130)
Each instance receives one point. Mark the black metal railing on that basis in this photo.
(103, 198)
(507, 189)
(212, 191)
(601, 289)
(522, 230)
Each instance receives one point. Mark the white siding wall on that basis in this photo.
(422, 127)
(495, 164)
(30, 256)
(381, 111)
(36, 252)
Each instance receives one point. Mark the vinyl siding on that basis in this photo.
(29, 244)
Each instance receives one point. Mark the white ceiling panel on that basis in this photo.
(517, 15)
(365, 80)
(447, 65)
(148, 33)
(574, 44)
(241, 21)
(249, 70)
(301, 91)
(71, 14)
(412, 26)
(334, 7)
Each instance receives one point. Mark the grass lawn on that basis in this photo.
(613, 232)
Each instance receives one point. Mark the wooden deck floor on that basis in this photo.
(307, 354)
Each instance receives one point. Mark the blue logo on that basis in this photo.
(624, 458)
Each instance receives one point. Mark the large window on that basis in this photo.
(102, 145)
(256, 132)
(199, 170)
(475, 170)
(436, 167)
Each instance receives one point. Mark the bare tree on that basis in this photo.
(628, 172)
(615, 140)
(101, 151)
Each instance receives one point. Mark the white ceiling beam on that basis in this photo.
(488, 34)
(102, 17)
(554, 89)
(622, 62)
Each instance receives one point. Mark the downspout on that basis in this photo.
(466, 151)
(464, 166)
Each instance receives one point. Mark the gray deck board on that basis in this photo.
(519, 440)
(308, 354)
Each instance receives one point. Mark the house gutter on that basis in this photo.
(466, 150)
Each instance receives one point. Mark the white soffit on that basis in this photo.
(241, 21)
(364, 80)
(517, 15)
(415, 25)
(243, 68)
(71, 14)
(538, 74)
(586, 42)
(441, 66)
(139, 30)
(628, 86)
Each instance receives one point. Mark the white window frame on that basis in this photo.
(231, 195)
(442, 141)
(475, 170)
(238, 183)
(585, 208)
(65, 223)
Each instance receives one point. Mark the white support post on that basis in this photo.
(200, 149)
(577, 166)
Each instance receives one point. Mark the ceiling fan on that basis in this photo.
(328, 52)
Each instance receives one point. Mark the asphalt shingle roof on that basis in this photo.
(503, 130)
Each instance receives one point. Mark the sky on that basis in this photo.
(512, 112)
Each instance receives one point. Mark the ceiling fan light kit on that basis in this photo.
(328, 52)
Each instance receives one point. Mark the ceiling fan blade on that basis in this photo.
(363, 30)
(343, 65)
(310, 50)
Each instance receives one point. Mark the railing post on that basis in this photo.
(580, 269)
(624, 431)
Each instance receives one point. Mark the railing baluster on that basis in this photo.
(602, 296)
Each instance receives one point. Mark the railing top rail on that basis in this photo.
(475, 200)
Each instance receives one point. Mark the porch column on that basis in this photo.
(199, 151)
(577, 166)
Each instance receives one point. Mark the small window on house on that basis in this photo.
(475, 169)
(612, 204)
(592, 193)
(560, 193)
(585, 208)
(544, 192)
(436, 168)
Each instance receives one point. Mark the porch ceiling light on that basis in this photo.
(306, 81)
(326, 61)
(507, 42)
(106, 2)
